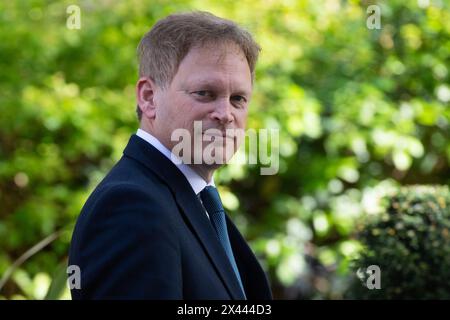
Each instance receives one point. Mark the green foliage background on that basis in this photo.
(359, 111)
(409, 243)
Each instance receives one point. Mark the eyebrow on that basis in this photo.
(214, 84)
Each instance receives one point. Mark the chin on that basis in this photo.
(213, 166)
(225, 157)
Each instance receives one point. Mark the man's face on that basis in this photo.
(212, 85)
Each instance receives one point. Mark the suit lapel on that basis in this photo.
(253, 277)
(199, 222)
(190, 206)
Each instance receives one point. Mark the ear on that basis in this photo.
(145, 96)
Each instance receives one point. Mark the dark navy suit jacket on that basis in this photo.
(144, 234)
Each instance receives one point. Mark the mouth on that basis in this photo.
(224, 135)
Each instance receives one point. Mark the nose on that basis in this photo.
(222, 112)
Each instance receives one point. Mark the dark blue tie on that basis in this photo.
(211, 201)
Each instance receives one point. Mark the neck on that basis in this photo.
(205, 173)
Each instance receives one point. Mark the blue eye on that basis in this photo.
(239, 98)
(203, 93)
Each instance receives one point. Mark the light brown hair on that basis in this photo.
(162, 49)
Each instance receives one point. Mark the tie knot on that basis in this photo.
(211, 200)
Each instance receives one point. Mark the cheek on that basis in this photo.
(175, 111)
(183, 113)
(163, 110)
(241, 118)
(194, 111)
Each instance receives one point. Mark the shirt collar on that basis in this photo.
(195, 180)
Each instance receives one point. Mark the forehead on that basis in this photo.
(215, 66)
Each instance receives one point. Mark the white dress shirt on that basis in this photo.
(195, 180)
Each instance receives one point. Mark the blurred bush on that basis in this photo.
(410, 243)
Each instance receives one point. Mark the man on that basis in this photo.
(155, 228)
